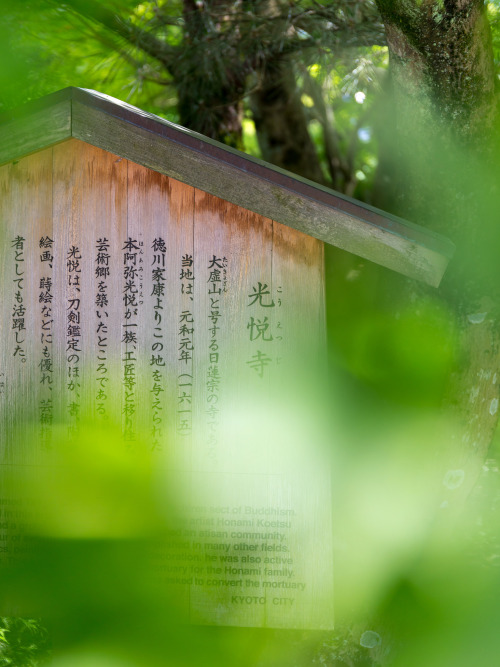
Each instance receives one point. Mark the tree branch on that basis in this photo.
(133, 34)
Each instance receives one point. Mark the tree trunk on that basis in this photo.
(211, 80)
(444, 110)
(443, 87)
(280, 122)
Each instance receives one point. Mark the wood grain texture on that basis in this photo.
(90, 195)
(298, 274)
(239, 287)
(181, 286)
(298, 279)
(227, 232)
(161, 209)
(231, 252)
(26, 211)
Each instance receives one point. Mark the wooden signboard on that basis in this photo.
(148, 281)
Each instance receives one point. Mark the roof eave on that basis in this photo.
(206, 164)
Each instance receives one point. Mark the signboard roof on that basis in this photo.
(191, 158)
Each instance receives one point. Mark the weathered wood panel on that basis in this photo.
(181, 317)
(298, 280)
(90, 205)
(26, 218)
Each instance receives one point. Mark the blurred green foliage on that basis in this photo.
(23, 643)
(412, 589)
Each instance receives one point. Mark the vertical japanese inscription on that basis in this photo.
(132, 285)
(259, 326)
(157, 360)
(73, 337)
(19, 309)
(185, 348)
(235, 348)
(217, 284)
(45, 299)
(102, 274)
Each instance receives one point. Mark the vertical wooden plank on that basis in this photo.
(148, 199)
(160, 220)
(181, 329)
(183, 281)
(298, 278)
(71, 264)
(298, 281)
(26, 216)
(89, 204)
(233, 255)
(43, 267)
(237, 244)
(106, 207)
(160, 216)
(7, 377)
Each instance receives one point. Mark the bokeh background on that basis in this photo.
(307, 86)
